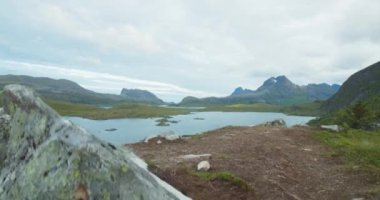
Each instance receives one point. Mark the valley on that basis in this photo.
(249, 156)
(189, 100)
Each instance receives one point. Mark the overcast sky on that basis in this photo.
(196, 47)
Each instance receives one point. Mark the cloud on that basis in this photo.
(211, 46)
(116, 37)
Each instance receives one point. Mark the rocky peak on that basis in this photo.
(280, 82)
(269, 82)
(241, 91)
(43, 156)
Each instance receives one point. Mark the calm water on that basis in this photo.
(134, 130)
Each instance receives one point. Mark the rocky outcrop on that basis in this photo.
(168, 136)
(44, 156)
(275, 123)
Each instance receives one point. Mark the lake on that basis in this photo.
(135, 130)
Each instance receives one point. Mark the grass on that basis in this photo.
(119, 111)
(223, 176)
(362, 115)
(304, 109)
(358, 148)
(129, 110)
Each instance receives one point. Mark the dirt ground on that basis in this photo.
(277, 163)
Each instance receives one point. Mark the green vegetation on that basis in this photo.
(223, 176)
(165, 121)
(359, 148)
(361, 115)
(305, 109)
(162, 122)
(120, 111)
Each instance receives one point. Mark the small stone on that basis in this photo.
(331, 127)
(159, 141)
(203, 166)
(194, 157)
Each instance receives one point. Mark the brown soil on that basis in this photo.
(277, 163)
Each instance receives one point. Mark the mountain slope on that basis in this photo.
(364, 85)
(279, 90)
(321, 91)
(61, 90)
(140, 96)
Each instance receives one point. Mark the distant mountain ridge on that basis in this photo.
(240, 91)
(141, 96)
(364, 85)
(65, 90)
(275, 90)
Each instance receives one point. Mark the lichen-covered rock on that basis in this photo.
(44, 156)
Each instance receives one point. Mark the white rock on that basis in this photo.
(159, 142)
(170, 136)
(331, 127)
(146, 140)
(203, 166)
(192, 156)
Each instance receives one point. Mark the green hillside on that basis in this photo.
(361, 86)
(357, 103)
(61, 89)
(69, 91)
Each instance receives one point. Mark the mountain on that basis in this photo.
(321, 91)
(61, 90)
(44, 156)
(70, 91)
(240, 91)
(279, 90)
(364, 85)
(140, 96)
(275, 90)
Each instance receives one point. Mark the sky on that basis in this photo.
(178, 48)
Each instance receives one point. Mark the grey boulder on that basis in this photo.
(44, 156)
